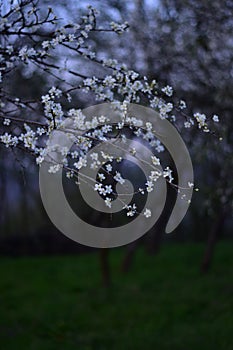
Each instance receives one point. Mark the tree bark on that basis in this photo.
(154, 239)
(128, 259)
(211, 242)
(105, 267)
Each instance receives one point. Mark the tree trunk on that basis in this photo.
(128, 259)
(105, 267)
(211, 242)
(154, 239)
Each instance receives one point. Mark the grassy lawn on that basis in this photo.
(164, 303)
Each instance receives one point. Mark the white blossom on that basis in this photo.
(53, 169)
(9, 140)
(168, 173)
(215, 118)
(82, 162)
(187, 125)
(201, 119)
(97, 187)
(168, 90)
(155, 160)
(182, 104)
(147, 213)
(101, 176)
(108, 189)
(108, 202)
(108, 167)
(6, 122)
(119, 178)
(118, 27)
(131, 209)
(149, 186)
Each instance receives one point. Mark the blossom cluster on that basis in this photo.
(22, 128)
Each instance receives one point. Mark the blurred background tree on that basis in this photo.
(186, 44)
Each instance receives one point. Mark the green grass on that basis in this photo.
(164, 303)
